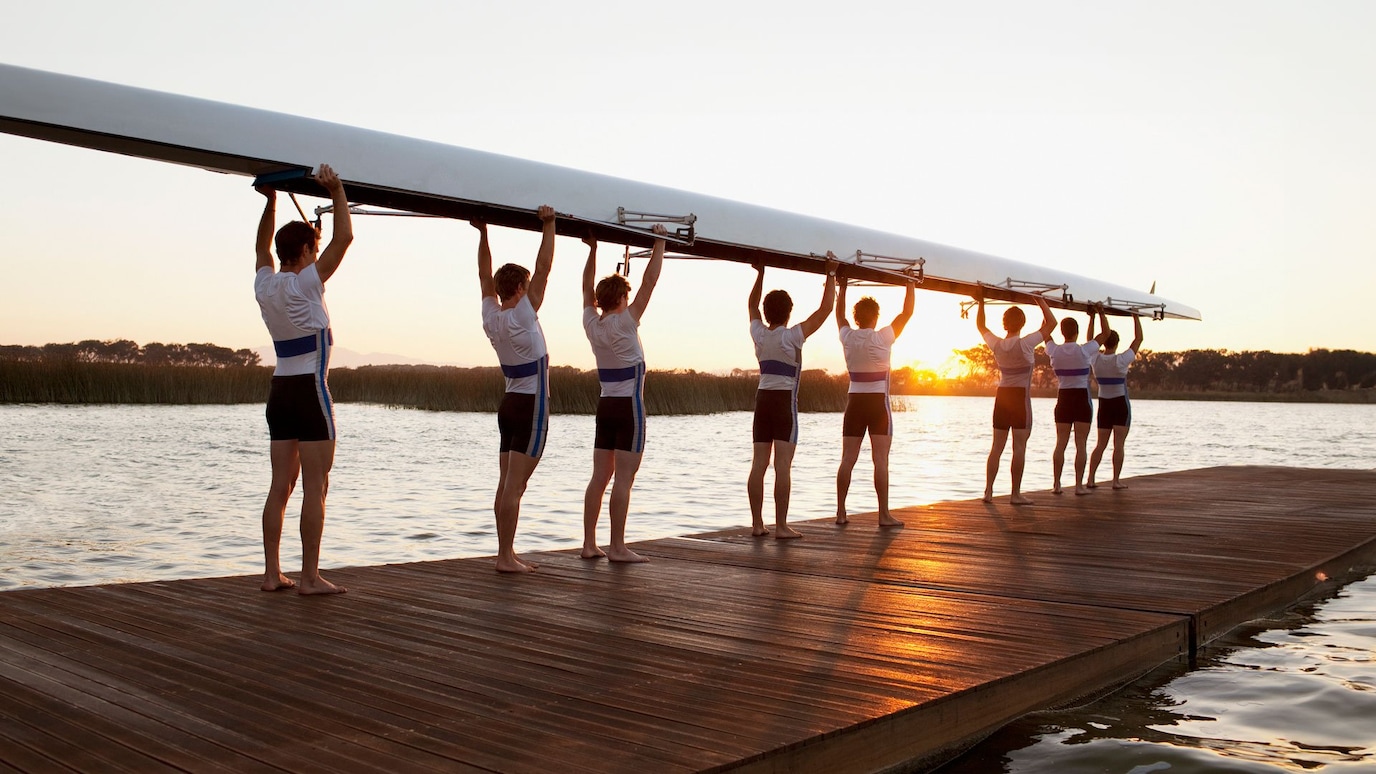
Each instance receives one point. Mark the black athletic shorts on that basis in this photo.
(1073, 405)
(1012, 409)
(1115, 412)
(776, 416)
(620, 424)
(867, 411)
(523, 421)
(300, 409)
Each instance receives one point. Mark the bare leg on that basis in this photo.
(1058, 456)
(1081, 438)
(286, 465)
(1015, 467)
(516, 470)
(1120, 437)
(850, 452)
(1096, 456)
(754, 487)
(317, 457)
(603, 466)
(991, 468)
(783, 489)
(879, 452)
(627, 464)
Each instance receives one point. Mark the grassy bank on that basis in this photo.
(444, 388)
(432, 388)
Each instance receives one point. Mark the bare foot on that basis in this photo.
(1091, 485)
(886, 520)
(988, 497)
(528, 563)
(1019, 499)
(277, 584)
(1057, 490)
(513, 565)
(1080, 490)
(785, 532)
(625, 555)
(591, 552)
(758, 532)
(842, 519)
(318, 586)
(1119, 485)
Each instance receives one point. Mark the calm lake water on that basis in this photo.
(107, 494)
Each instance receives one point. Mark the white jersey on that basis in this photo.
(520, 344)
(1071, 362)
(615, 339)
(867, 357)
(780, 352)
(1014, 357)
(293, 307)
(1111, 371)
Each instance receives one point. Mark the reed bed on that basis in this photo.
(447, 388)
(77, 382)
(431, 388)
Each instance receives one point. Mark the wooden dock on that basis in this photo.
(853, 649)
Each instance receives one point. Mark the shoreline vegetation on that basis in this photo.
(122, 372)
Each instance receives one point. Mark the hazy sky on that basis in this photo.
(1224, 150)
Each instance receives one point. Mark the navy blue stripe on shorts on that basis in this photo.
(776, 416)
(523, 421)
(620, 424)
(299, 409)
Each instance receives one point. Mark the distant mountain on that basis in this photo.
(347, 358)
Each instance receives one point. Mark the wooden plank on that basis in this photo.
(852, 649)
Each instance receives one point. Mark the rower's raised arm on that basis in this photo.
(485, 282)
(266, 224)
(651, 276)
(544, 258)
(756, 291)
(343, 235)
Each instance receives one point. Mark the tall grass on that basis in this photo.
(76, 382)
(446, 388)
(433, 388)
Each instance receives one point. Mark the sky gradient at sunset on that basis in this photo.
(1222, 150)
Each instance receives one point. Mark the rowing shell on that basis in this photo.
(407, 174)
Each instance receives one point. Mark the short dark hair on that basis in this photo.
(610, 290)
(292, 238)
(1014, 314)
(509, 279)
(1112, 341)
(778, 305)
(1070, 328)
(866, 312)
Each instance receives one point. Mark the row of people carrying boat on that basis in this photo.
(300, 412)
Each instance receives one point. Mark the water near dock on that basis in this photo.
(116, 493)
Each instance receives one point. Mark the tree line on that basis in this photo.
(124, 351)
(1210, 370)
(122, 371)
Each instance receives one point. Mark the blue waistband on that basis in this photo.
(523, 370)
(1113, 381)
(302, 346)
(778, 368)
(617, 374)
(868, 376)
(1072, 372)
(1016, 371)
